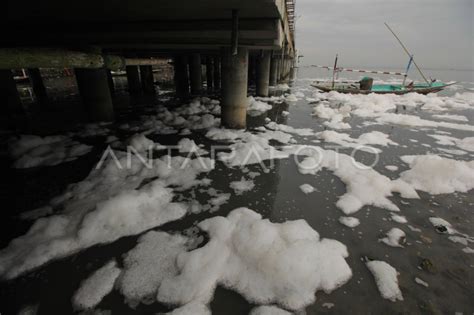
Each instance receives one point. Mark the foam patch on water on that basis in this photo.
(268, 310)
(394, 238)
(96, 287)
(242, 186)
(349, 221)
(364, 185)
(34, 151)
(438, 175)
(257, 107)
(386, 280)
(307, 188)
(109, 204)
(335, 107)
(362, 142)
(254, 257)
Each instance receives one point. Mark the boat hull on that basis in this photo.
(352, 88)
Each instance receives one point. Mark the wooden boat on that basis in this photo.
(366, 86)
(355, 87)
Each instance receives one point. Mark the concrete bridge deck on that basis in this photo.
(85, 35)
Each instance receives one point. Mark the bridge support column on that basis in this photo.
(133, 79)
(252, 70)
(195, 73)
(38, 87)
(234, 88)
(273, 71)
(209, 74)
(217, 73)
(181, 77)
(110, 79)
(263, 73)
(148, 81)
(292, 69)
(9, 97)
(94, 89)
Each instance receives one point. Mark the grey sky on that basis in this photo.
(440, 33)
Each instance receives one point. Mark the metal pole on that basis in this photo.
(408, 68)
(408, 53)
(334, 72)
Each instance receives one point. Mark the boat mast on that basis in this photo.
(334, 72)
(408, 68)
(408, 53)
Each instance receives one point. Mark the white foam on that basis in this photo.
(421, 282)
(394, 237)
(438, 175)
(349, 221)
(34, 151)
(361, 143)
(242, 186)
(256, 107)
(452, 117)
(141, 143)
(107, 205)
(399, 218)
(364, 185)
(145, 266)
(386, 280)
(307, 188)
(268, 310)
(254, 257)
(285, 128)
(96, 287)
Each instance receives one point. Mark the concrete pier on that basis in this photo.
(273, 71)
(9, 97)
(94, 89)
(217, 74)
(133, 79)
(147, 79)
(234, 88)
(181, 77)
(263, 73)
(146, 34)
(195, 74)
(110, 79)
(252, 70)
(38, 87)
(209, 74)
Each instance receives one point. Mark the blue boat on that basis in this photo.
(366, 87)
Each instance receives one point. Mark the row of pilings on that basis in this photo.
(228, 73)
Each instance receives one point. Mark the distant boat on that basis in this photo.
(366, 86)
(362, 87)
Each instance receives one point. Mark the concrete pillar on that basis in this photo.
(110, 79)
(95, 92)
(38, 87)
(234, 88)
(148, 81)
(133, 79)
(274, 71)
(252, 72)
(209, 74)
(292, 69)
(263, 73)
(195, 74)
(9, 97)
(181, 77)
(217, 73)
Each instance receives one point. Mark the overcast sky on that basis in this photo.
(440, 33)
